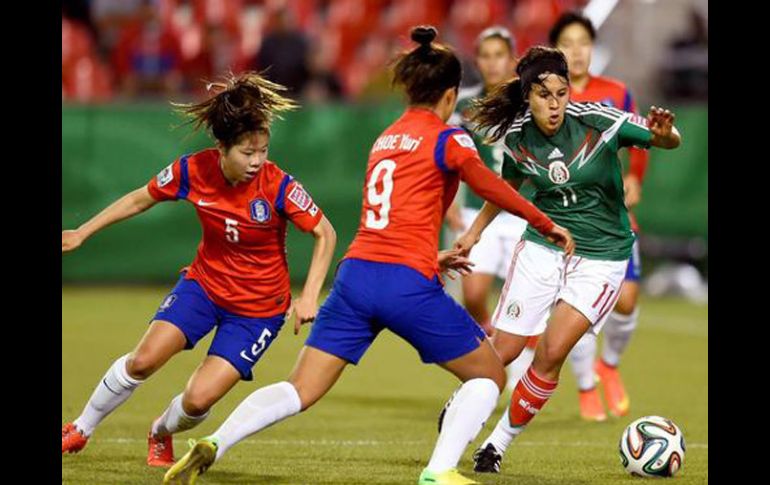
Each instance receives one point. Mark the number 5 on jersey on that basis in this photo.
(379, 219)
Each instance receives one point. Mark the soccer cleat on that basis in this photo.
(487, 459)
(591, 407)
(449, 477)
(200, 457)
(160, 451)
(72, 439)
(614, 391)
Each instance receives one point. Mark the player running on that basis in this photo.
(569, 152)
(238, 281)
(389, 279)
(574, 34)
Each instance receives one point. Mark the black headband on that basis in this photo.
(536, 72)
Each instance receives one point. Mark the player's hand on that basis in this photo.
(466, 242)
(304, 311)
(452, 261)
(562, 238)
(633, 190)
(70, 240)
(661, 122)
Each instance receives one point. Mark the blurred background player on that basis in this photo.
(574, 34)
(239, 280)
(389, 278)
(496, 63)
(568, 151)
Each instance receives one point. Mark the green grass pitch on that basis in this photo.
(378, 425)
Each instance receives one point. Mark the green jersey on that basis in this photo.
(491, 155)
(577, 175)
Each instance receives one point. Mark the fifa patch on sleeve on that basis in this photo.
(300, 198)
(166, 176)
(464, 141)
(638, 120)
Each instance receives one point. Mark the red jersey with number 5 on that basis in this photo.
(241, 260)
(411, 179)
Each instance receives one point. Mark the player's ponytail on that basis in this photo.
(240, 105)
(428, 70)
(496, 112)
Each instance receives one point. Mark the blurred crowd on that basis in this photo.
(320, 49)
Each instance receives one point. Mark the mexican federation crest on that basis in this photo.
(558, 172)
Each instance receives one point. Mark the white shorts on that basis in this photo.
(540, 276)
(493, 252)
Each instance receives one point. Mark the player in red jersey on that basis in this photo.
(574, 34)
(239, 279)
(389, 276)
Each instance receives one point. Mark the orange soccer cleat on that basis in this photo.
(160, 451)
(614, 392)
(72, 439)
(591, 407)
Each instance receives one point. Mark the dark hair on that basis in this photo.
(567, 19)
(498, 110)
(242, 104)
(497, 32)
(427, 70)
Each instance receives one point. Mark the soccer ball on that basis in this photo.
(652, 447)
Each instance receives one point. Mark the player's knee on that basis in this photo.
(500, 378)
(140, 366)
(625, 306)
(197, 402)
(306, 392)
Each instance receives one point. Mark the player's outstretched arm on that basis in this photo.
(127, 206)
(305, 306)
(664, 133)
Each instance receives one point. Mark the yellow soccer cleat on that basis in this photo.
(200, 457)
(449, 477)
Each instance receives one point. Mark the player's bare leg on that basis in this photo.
(213, 378)
(566, 325)
(314, 374)
(161, 342)
(620, 325)
(483, 377)
(476, 287)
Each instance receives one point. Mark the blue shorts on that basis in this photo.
(239, 340)
(634, 270)
(368, 296)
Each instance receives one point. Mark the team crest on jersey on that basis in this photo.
(167, 302)
(300, 197)
(165, 176)
(513, 310)
(558, 172)
(260, 210)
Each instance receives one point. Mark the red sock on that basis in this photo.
(529, 396)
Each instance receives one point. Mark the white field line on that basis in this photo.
(579, 444)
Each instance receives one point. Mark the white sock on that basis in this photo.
(503, 433)
(617, 334)
(175, 420)
(262, 408)
(582, 359)
(464, 418)
(115, 387)
(518, 367)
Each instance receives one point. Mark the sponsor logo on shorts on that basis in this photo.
(170, 299)
(165, 176)
(558, 172)
(513, 310)
(260, 210)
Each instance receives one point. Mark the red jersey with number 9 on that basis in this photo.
(411, 179)
(241, 260)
